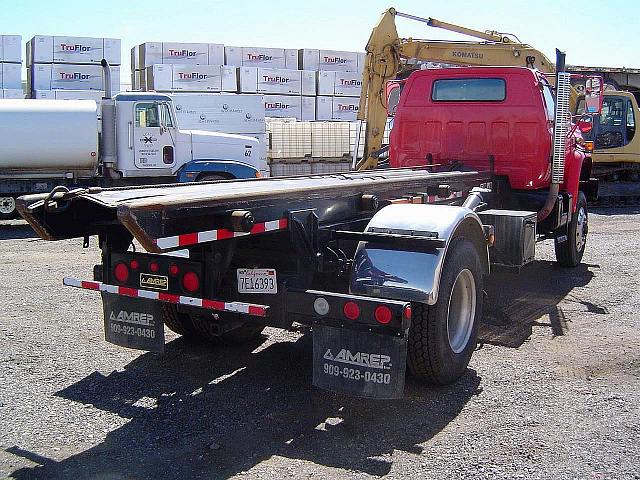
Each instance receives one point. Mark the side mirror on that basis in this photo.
(392, 93)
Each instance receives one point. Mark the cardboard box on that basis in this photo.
(258, 57)
(331, 60)
(341, 84)
(68, 94)
(11, 76)
(276, 81)
(74, 50)
(337, 108)
(226, 113)
(70, 77)
(185, 53)
(11, 93)
(189, 78)
(289, 106)
(173, 53)
(11, 48)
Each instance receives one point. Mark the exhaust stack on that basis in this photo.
(108, 151)
(562, 119)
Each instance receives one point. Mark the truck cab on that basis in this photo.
(151, 144)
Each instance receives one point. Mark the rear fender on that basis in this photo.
(382, 271)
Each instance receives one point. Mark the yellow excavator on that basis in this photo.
(388, 57)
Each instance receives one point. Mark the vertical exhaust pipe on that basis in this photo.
(108, 150)
(562, 119)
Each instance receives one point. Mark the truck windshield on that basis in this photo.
(469, 90)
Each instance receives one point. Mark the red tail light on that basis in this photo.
(191, 282)
(351, 310)
(121, 272)
(134, 264)
(154, 267)
(383, 314)
(407, 312)
(174, 270)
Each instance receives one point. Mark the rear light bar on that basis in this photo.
(217, 305)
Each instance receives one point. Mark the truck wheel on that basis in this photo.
(210, 177)
(179, 323)
(8, 208)
(442, 337)
(569, 253)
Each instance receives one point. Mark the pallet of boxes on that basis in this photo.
(232, 90)
(11, 67)
(68, 68)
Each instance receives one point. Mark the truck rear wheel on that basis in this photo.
(569, 252)
(443, 336)
(177, 322)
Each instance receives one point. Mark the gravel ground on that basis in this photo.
(552, 392)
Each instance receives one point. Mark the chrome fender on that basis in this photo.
(390, 272)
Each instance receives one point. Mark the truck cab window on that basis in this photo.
(469, 90)
(549, 102)
(147, 115)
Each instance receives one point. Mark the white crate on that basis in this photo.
(289, 106)
(289, 139)
(288, 169)
(11, 93)
(337, 108)
(342, 84)
(332, 60)
(11, 75)
(330, 167)
(56, 76)
(261, 57)
(277, 81)
(202, 78)
(330, 139)
(242, 114)
(175, 53)
(11, 48)
(74, 50)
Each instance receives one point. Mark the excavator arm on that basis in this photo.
(387, 55)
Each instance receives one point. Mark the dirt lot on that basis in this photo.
(552, 392)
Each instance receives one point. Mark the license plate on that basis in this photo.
(257, 280)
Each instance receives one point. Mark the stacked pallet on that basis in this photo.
(68, 68)
(10, 66)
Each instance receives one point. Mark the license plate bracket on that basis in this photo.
(133, 322)
(359, 363)
(257, 280)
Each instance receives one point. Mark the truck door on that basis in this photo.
(153, 136)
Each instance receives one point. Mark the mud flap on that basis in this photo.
(359, 363)
(133, 322)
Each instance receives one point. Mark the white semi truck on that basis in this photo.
(135, 139)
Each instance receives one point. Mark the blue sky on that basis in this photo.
(591, 32)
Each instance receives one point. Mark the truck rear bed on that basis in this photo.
(164, 217)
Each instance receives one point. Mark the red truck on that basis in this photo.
(386, 265)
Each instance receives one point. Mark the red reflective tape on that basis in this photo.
(168, 297)
(259, 311)
(187, 239)
(129, 292)
(223, 234)
(258, 228)
(212, 304)
(90, 285)
(283, 223)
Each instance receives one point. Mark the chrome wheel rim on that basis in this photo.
(461, 310)
(581, 229)
(7, 205)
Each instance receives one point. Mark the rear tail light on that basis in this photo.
(351, 310)
(321, 306)
(407, 312)
(174, 270)
(154, 267)
(134, 264)
(121, 272)
(383, 314)
(190, 282)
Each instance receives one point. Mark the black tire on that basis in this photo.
(569, 253)
(177, 322)
(431, 356)
(8, 208)
(210, 177)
